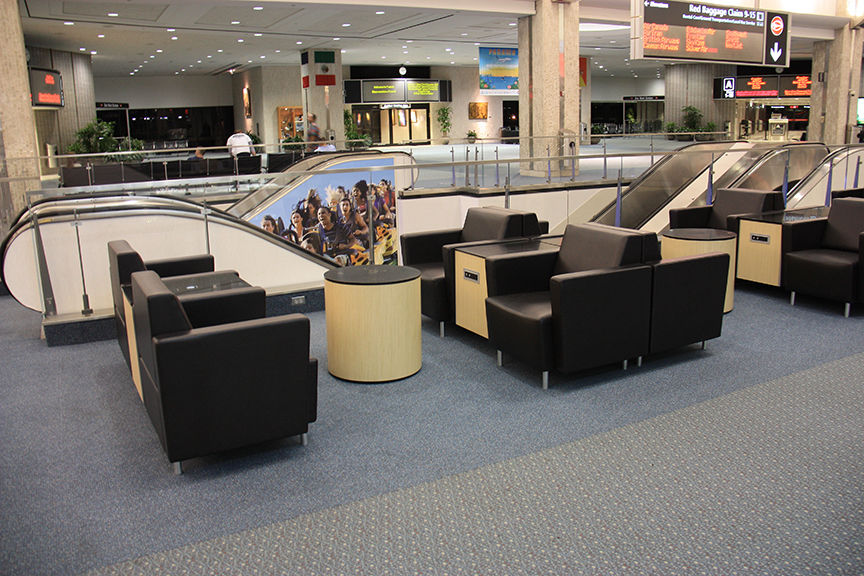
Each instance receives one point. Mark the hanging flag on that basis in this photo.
(304, 68)
(325, 62)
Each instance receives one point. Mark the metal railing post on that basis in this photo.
(453, 167)
(830, 182)
(710, 191)
(467, 177)
(604, 159)
(84, 296)
(548, 166)
(857, 171)
(786, 177)
(497, 169)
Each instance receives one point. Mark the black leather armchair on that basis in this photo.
(223, 386)
(123, 261)
(729, 205)
(433, 253)
(824, 257)
(584, 306)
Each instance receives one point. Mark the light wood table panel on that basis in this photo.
(471, 293)
(373, 323)
(759, 251)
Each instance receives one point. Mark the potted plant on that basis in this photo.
(671, 129)
(98, 138)
(445, 121)
(472, 136)
(711, 127)
(596, 129)
(692, 121)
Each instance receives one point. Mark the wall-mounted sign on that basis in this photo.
(795, 86)
(383, 91)
(111, 105)
(499, 71)
(46, 87)
(642, 98)
(757, 87)
(694, 31)
(422, 90)
(763, 87)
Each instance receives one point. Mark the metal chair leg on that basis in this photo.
(304, 439)
(639, 361)
(500, 358)
(441, 329)
(545, 380)
(704, 344)
(624, 365)
(792, 298)
(848, 308)
(178, 468)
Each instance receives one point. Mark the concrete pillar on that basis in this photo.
(321, 77)
(836, 99)
(693, 85)
(17, 121)
(548, 82)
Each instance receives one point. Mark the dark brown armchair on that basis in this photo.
(123, 261)
(432, 253)
(824, 257)
(729, 205)
(226, 385)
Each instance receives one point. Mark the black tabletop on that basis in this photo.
(782, 216)
(205, 282)
(702, 234)
(527, 245)
(371, 275)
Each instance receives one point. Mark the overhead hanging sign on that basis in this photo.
(499, 71)
(703, 32)
(46, 87)
(763, 87)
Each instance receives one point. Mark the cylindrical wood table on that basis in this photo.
(690, 241)
(373, 322)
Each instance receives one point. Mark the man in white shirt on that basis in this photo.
(240, 144)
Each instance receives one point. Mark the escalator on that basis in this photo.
(56, 252)
(681, 179)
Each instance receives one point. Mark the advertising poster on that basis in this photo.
(499, 71)
(328, 214)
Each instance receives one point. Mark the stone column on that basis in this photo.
(549, 83)
(840, 64)
(693, 85)
(17, 121)
(321, 77)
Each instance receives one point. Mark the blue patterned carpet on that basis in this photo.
(86, 484)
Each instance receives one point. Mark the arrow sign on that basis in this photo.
(776, 35)
(776, 51)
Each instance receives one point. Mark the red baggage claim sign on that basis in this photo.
(46, 87)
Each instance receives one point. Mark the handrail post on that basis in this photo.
(830, 182)
(604, 159)
(498, 169)
(467, 177)
(548, 166)
(86, 310)
(476, 178)
(710, 191)
(786, 178)
(857, 171)
(453, 166)
(618, 202)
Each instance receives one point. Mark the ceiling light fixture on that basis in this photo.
(68, 23)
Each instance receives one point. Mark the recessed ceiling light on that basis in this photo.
(379, 12)
(464, 33)
(452, 62)
(476, 43)
(250, 61)
(263, 56)
(383, 57)
(170, 29)
(404, 52)
(69, 23)
(239, 40)
(346, 25)
(235, 22)
(409, 41)
(428, 57)
(404, 46)
(343, 51)
(258, 8)
(299, 42)
(82, 49)
(93, 52)
(209, 56)
(475, 58)
(336, 39)
(159, 51)
(513, 23)
(113, 14)
(132, 73)
(278, 51)
(448, 49)
(183, 70)
(176, 72)
(258, 34)
(199, 62)
(218, 50)
(173, 37)
(100, 36)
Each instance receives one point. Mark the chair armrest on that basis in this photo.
(520, 272)
(425, 247)
(600, 316)
(803, 234)
(690, 217)
(182, 265)
(224, 307)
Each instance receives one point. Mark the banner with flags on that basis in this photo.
(318, 65)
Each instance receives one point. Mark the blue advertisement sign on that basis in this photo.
(499, 71)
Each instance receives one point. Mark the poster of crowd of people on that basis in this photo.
(329, 215)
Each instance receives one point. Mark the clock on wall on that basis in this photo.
(402, 70)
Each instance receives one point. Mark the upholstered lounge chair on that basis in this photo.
(729, 205)
(123, 261)
(223, 386)
(586, 305)
(432, 253)
(824, 257)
